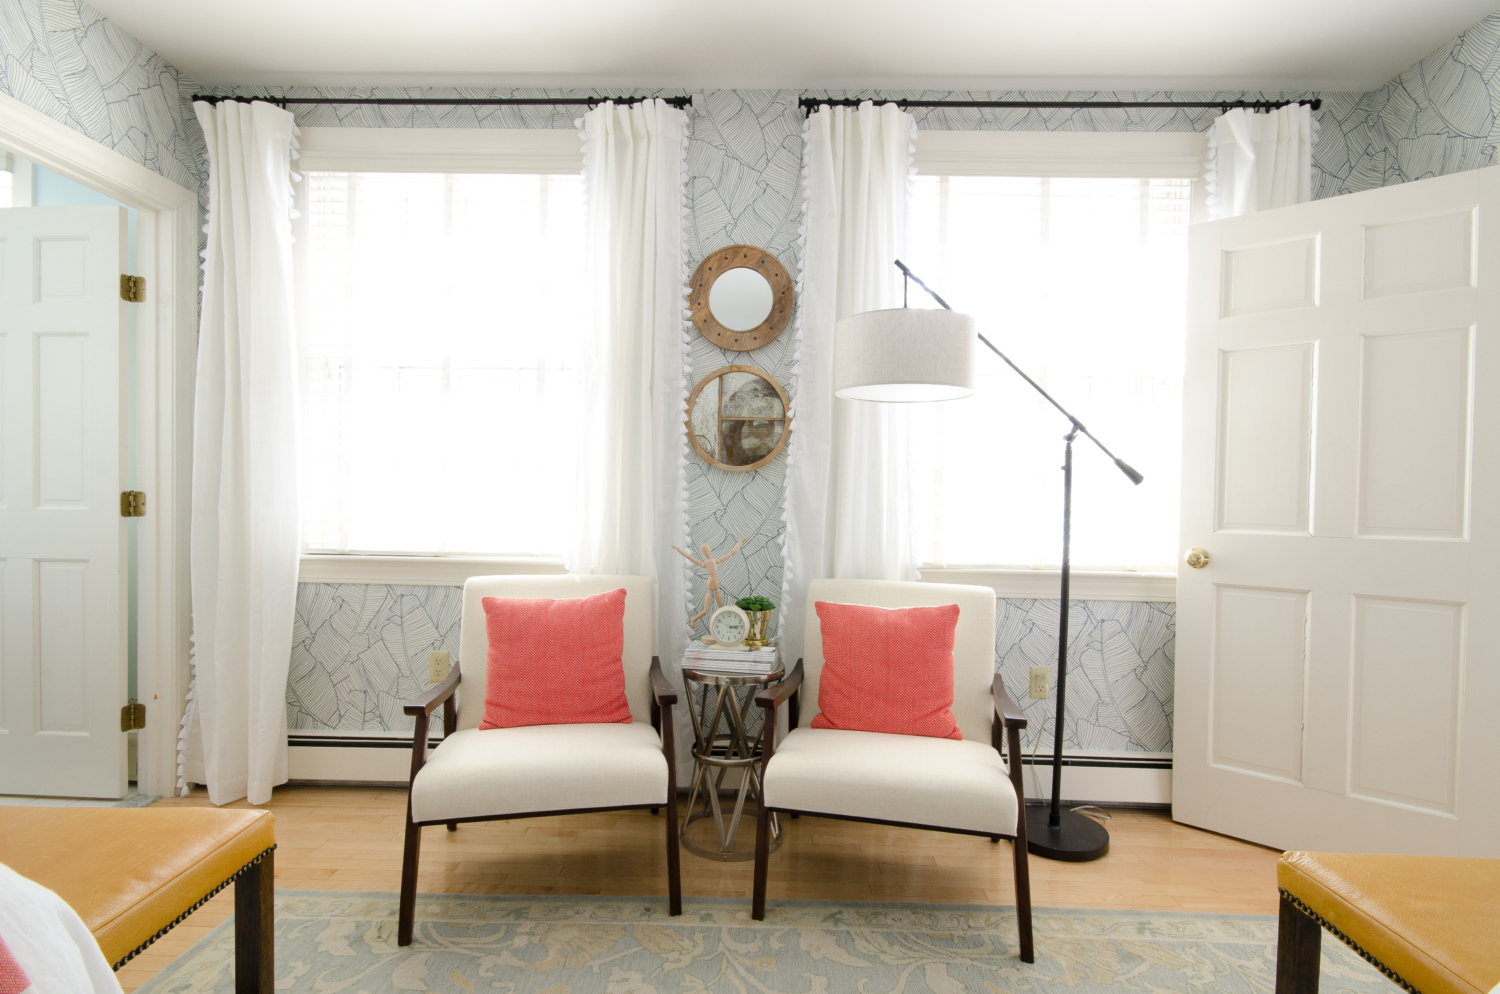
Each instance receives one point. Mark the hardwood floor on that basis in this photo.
(349, 838)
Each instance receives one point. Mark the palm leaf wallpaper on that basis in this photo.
(360, 649)
(68, 61)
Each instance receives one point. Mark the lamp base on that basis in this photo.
(1077, 839)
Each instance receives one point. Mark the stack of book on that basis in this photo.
(719, 660)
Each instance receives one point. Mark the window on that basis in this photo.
(1081, 280)
(440, 330)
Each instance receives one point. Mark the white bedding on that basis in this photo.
(48, 941)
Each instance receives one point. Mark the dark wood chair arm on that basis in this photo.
(662, 691)
(1007, 731)
(770, 698)
(1006, 708)
(421, 709)
(773, 696)
(434, 698)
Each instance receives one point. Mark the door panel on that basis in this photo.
(60, 444)
(1408, 666)
(1260, 667)
(1275, 277)
(1414, 435)
(1341, 463)
(61, 632)
(62, 540)
(1420, 255)
(61, 269)
(1265, 440)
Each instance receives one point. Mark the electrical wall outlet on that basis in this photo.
(1041, 679)
(437, 667)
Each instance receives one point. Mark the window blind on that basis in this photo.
(1082, 281)
(440, 329)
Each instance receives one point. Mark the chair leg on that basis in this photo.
(408, 905)
(1299, 948)
(674, 856)
(1023, 891)
(254, 928)
(762, 858)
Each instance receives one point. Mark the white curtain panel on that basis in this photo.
(1260, 161)
(848, 496)
(245, 537)
(631, 501)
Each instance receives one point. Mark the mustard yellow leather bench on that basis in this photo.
(133, 873)
(1429, 923)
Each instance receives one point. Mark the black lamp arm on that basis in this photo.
(1130, 471)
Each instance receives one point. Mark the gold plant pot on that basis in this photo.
(759, 621)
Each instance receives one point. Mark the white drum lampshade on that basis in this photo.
(904, 355)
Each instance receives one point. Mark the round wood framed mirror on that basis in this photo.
(741, 297)
(737, 418)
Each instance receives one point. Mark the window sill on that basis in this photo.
(421, 571)
(1042, 584)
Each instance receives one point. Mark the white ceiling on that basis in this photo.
(946, 44)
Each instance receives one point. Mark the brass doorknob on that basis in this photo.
(1197, 558)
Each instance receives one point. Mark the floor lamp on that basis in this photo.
(922, 355)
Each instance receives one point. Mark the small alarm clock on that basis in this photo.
(729, 626)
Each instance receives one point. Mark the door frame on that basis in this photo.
(166, 354)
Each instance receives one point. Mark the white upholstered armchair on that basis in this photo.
(912, 781)
(501, 773)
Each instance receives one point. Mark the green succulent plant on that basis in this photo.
(755, 604)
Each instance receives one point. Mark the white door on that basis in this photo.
(62, 540)
(1337, 672)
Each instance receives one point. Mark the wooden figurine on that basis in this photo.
(711, 597)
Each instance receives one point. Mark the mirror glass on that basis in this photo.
(706, 417)
(747, 442)
(740, 299)
(749, 404)
(749, 396)
(738, 417)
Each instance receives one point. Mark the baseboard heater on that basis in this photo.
(1105, 779)
(1104, 762)
(361, 759)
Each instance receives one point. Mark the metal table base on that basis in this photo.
(722, 744)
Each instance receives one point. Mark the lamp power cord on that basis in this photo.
(1087, 810)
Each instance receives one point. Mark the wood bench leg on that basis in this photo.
(254, 928)
(1299, 949)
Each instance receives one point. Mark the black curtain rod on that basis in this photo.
(679, 102)
(809, 104)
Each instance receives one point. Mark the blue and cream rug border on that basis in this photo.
(344, 941)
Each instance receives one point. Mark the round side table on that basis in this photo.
(720, 706)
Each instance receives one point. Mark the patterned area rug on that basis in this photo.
(331, 942)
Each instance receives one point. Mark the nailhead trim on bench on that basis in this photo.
(1390, 974)
(196, 905)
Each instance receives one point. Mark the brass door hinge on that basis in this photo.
(132, 288)
(132, 504)
(132, 716)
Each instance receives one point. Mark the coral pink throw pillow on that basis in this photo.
(555, 662)
(887, 669)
